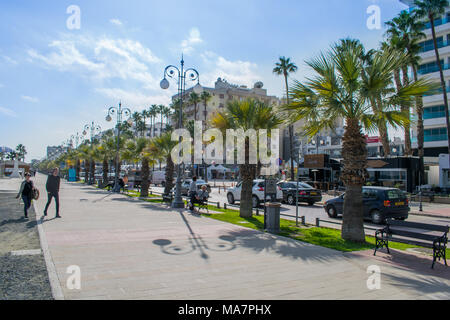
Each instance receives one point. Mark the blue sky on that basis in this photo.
(55, 80)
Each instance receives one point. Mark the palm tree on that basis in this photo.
(284, 67)
(194, 99)
(153, 113)
(21, 152)
(12, 155)
(406, 26)
(432, 9)
(247, 115)
(205, 97)
(107, 150)
(137, 118)
(404, 32)
(337, 91)
(167, 112)
(145, 115)
(84, 154)
(161, 148)
(136, 150)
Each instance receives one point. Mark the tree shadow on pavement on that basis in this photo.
(415, 263)
(420, 283)
(284, 247)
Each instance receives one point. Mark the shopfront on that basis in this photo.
(398, 172)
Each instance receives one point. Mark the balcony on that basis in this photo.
(438, 91)
(432, 68)
(430, 46)
(437, 22)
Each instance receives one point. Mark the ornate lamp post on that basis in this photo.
(119, 112)
(181, 75)
(92, 128)
(76, 138)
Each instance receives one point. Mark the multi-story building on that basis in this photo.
(222, 93)
(434, 110)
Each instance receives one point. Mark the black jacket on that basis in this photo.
(53, 184)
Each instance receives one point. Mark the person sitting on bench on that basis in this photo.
(201, 198)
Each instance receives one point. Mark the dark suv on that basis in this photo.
(380, 203)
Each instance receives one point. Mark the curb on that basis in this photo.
(428, 215)
(51, 270)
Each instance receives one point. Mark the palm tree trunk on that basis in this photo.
(247, 172)
(92, 174)
(145, 176)
(382, 128)
(441, 73)
(420, 131)
(105, 172)
(77, 170)
(86, 171)
(407, 110)
(170, 169)
(291, 132)
(354, 150)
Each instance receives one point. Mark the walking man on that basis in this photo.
(52, 186)
(26, 191)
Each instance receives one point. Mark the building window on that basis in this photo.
(230, 97)
(222, 96)
(221, 105)
(431, 67)
(434, 112)
(436, 134)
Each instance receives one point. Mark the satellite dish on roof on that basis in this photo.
(259, 85)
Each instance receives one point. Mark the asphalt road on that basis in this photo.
(317, 211)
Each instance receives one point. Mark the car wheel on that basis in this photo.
(310, 203)
(290, 200)
(230, 198)
(255, 202)
(332, 212)
(376, 217)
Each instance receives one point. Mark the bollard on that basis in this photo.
(303, 220)
(225, 206)
(257, 212)
(218, 205)
(317, 222)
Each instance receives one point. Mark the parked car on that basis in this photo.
(380, 203)
(306, 193)
(234, 194)
(187, 183)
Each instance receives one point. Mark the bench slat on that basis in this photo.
(418, 225)
(412, 242)
(415, 235)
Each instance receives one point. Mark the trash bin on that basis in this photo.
(273, 217)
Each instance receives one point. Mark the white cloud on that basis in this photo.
(8, 112)
(9, 60)
(236, 72)
(187, 45)
(101, 59)
(30, 99)
(116, 22)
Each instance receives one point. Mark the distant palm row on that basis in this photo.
(370, 90)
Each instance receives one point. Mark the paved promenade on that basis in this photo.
(128, 249)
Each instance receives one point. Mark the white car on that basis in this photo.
(234, 194)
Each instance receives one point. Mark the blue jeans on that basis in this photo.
(27, 204)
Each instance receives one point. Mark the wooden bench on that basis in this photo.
(395, 227)
(202, 205)
(167, 198)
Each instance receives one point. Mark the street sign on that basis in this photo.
(271, 186)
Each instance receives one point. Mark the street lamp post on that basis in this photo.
(119, 112)
(92, 128)
(180, 74)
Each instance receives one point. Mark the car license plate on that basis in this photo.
(401, 203)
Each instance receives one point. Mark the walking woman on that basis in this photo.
(26, 190)
(52, 186)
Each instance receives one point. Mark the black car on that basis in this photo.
(306, 193)
(380, 203)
